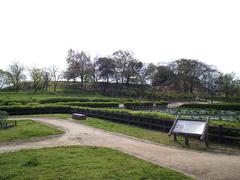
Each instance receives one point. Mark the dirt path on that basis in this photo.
(198, 164)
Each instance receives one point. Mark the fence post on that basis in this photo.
(186, 141)
(174, 137)
(220, 132)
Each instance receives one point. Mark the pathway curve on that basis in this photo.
(201, 165)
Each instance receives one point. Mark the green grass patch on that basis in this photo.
(77, 162)
(26, 129)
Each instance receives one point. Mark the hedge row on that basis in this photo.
(47, 109)
(40, 109)
(56, 100)
(132, 104)
(161, 103)
(16, 102)
(213, 106)
(91, 104)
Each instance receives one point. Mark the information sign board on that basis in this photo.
(191, 127)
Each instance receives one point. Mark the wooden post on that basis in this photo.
(206, 139)
(138, 121)
(219, 132)
(174, 137)
(186, 141)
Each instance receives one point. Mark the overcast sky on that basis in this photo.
(41, 32)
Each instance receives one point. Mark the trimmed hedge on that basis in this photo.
(38, 109)
(161, 103)
(133, 104)
(91, 104)
(48, 109)
(15, 102)
(57, 100)
(213, 106)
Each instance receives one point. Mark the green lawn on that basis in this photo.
(79, 162)
(27, 129)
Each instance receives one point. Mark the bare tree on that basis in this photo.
(55, 75)
(79, 65)
(37, 78)
(4, 79)
(94, 73)
(121, 59)
(16, 71)
(46, 80)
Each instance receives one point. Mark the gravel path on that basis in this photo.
(201, 165)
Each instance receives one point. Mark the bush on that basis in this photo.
(232, 106)
(3, 114)
(3, 118)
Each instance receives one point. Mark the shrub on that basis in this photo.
(3, 118)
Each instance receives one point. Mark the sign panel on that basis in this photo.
(189, 127)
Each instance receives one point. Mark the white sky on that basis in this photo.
(41, 32)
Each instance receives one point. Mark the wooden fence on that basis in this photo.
(216, 133)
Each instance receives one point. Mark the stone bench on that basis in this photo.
(79, 116)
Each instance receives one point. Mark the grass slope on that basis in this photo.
(33, 96)
(80, 163)
(27, 129)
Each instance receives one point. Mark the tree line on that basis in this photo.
(122, 68)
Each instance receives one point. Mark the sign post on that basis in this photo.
(188, 128)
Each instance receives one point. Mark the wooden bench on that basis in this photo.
(79, 116)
